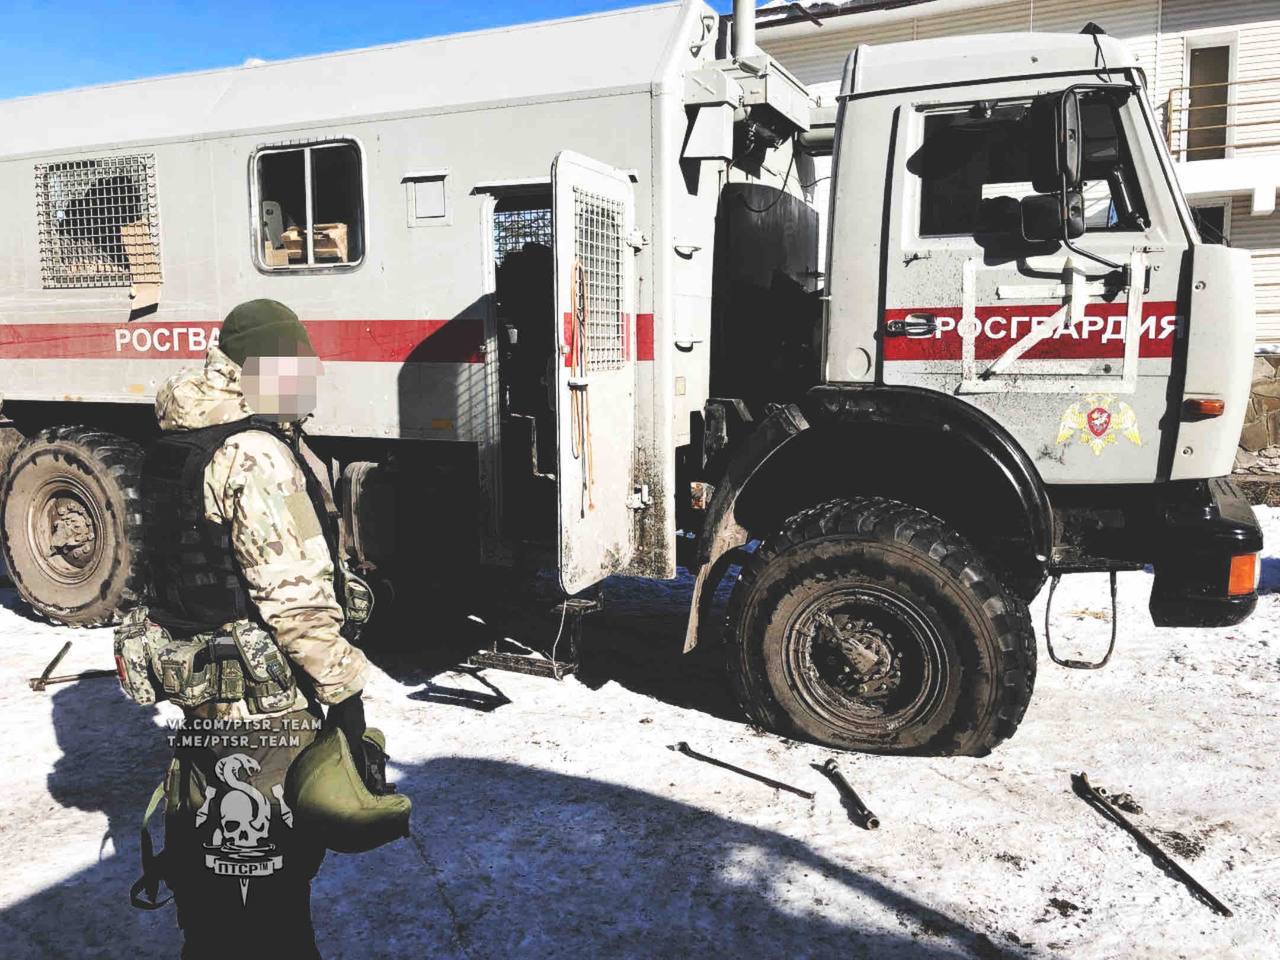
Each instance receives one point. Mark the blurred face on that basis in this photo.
(281, 388)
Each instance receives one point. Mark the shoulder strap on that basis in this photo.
(152, 862)
(312, 461)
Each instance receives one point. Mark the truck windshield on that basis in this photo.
(974, 159)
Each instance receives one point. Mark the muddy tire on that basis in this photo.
(72, 525)
(869, 624)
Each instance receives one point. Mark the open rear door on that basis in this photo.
(593, 218)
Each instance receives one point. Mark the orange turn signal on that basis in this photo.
(1204, 407)
(1243, 577)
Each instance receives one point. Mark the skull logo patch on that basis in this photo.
(241, 846)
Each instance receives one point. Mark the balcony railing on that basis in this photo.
(1203, 131)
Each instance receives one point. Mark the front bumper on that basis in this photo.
(1199, 531)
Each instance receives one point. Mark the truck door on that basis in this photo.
(1057, 347)
(593, 217)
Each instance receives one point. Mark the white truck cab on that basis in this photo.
(1029, 366)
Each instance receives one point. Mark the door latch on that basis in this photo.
(640, 497)
(913, 325)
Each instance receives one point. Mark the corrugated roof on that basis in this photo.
(539, 60)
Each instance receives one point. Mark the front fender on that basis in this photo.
(1007, 470)
(945, 416)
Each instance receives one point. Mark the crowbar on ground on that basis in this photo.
(39, 683)
(688, 751)
(1100, 801)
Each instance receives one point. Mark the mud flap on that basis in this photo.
(721, 534)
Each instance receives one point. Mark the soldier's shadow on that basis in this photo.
(513, 862)
(112, 755)
(506, 861)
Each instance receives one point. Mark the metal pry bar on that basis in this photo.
(859, 813)
(39, 683)
(688, 751)
(1100, 802)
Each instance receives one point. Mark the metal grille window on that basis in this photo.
(512, 229)
(99, 223)
(598, 247)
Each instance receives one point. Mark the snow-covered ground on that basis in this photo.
(558, 824)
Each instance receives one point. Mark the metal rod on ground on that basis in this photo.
(1099, 802)
(57, 659)
(688, 751)
(858, 811)
(39, 683)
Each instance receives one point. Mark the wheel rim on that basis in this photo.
(866, 659)
(64, 525)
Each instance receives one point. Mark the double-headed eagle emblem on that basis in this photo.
(1096, 420)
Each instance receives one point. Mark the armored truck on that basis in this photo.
(566, 286)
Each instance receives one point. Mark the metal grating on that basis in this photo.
(512, 229)
(598, 247)
(99, 222)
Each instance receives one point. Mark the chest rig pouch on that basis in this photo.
(269, 684)
(240, 662)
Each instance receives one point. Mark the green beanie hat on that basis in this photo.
(263, 328)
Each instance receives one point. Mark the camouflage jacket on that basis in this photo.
(254, 484)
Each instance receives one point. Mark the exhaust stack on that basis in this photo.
(744, 29)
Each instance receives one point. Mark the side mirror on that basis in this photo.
(1042, 218)
(1057, 149)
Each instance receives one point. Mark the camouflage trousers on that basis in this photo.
(239, 869)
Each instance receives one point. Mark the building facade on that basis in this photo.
(1213, 73)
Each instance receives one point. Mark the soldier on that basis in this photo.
(245, 631)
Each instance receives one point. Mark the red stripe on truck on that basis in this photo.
(644, 336)
(460, 340)
(1100, 335)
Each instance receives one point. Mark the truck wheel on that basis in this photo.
(868, 624)
(72, 526)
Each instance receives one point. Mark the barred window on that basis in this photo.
(518, 222)
(99, 222)
(598, 247)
